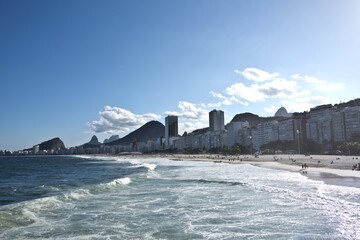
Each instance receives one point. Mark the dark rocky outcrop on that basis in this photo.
(150, 130)
(55, 143)
(111, 139)
(253, 119)
(52, 144)
(93, 143)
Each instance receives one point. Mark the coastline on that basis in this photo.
(331, 169)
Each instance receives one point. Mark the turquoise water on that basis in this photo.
(114, 198)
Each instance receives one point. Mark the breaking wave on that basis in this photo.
(119, 181)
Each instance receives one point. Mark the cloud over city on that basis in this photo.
(115, 119)
(295, 92)
(193, 116)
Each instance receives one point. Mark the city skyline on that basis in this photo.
(74, 69)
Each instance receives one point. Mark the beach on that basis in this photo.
(331, 164)
(331, 169)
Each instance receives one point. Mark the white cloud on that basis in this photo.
(114, 119)
(273, 86)
(319, 85)
(304, 104)
(276, 88)
(308, 79)
(225, 100)
(189, 110)
(279, 88)
(330, 87)
(271, 109)
(192, 116)
(240, 91)
(256, 74)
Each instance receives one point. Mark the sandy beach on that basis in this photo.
(331, 169)
(338, 165)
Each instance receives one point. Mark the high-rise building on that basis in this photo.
(216, 120)
(233, 132)
(319, 125)
(171, 128)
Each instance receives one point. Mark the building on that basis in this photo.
(233, 128)
(271, 131)
(286, 130)
(319, 124)
(338, 120)
(171, 129)
(282, 112)
(352, 122)
(216, 120)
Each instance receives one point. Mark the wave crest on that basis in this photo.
(119, 181)
(150, 166)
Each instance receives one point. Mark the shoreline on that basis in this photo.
(330, 169)
(337, 165)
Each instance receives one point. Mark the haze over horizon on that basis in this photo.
(71, 69)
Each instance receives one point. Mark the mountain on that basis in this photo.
(253, 119)
(52, 144)
(351, 103)
(111, 139)
(93, 143)
(150, 130)
(200, 131)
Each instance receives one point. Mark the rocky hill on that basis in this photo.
(55, 143)
(52, 144)
(253, 119)
(151, 130)
(93, 143)
(112, 138)
(351, 103)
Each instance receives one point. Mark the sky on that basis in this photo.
(72, 69)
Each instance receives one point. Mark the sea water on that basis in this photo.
(113, 198)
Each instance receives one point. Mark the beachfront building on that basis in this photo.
(264, 133)
(338, 120)
(171, 129)
(286, 130)
(271, 131)
(319, 124)
(352, 122)
(244, 137)
(346, 123)
(234, 134)
(216, 120)
(257, 137)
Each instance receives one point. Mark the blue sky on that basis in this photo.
(71, 69)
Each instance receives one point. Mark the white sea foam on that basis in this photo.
(198, 201)
(135, 162)
(138, 164)
(77, 194)
(150, 166)
(119, 181)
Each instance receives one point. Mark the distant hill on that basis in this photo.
(52, 144)
(111, 139)
(93, 143)
(351, 103)
(150, 130)
(253, 119)
(200, 131)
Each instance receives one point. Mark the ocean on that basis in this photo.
(66, 197)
